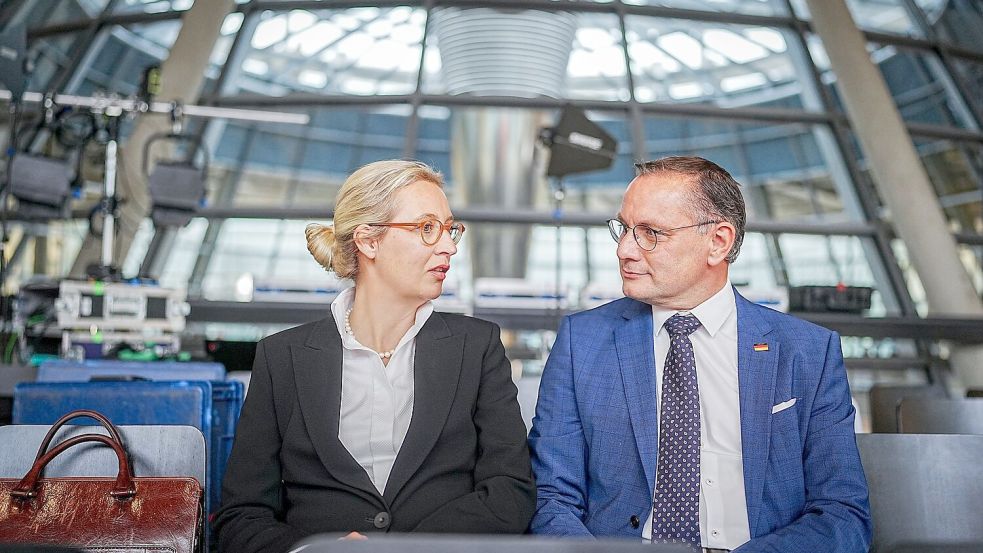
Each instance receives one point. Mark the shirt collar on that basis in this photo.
(343, 302)
(712, 312)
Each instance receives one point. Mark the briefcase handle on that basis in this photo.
(27, 488)
(113, 432)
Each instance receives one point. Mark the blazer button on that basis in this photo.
(381, 520)
(634, 521)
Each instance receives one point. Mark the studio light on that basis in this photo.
(578, 145)
(177, 187)
(42, 186)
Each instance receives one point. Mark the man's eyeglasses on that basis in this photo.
(430, 229)
(646, 236)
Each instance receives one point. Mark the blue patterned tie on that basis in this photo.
(676, 503)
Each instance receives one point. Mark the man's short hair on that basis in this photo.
(716, 196)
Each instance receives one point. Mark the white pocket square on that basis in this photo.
(783, 406)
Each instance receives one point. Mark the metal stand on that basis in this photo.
(559, 194)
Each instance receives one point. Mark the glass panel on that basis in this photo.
(301, 165)
(956, 172)
(825, 260)
(754, 7)
(359, 51)
(42, 252)
(433, 81)
(675, 60)
(917, 83)
(971, 73)
(958, 22)
(122, 54)
(244, 246)
(52, 55)
(789, 171)
(433, 142)
(181, 261)
(818, 52)
(130, 268)
(884, 16)
(151, 6)
(36, 15)
(932, 9)
(587, 255)
(819, 57)
(756, 266)
(223, 45)
(972, 258)
(596, 69)
(912, 280)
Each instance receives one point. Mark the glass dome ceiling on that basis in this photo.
(371, 51)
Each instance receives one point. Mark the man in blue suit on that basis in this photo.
(684, 413)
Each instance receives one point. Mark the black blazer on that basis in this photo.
(463, 466)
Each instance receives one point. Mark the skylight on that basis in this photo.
(734, 46)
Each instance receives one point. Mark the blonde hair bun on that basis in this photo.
(321, 243)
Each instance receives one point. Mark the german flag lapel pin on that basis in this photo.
(760, 347)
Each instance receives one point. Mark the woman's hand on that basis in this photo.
(354, 536)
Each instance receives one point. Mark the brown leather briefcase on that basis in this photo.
(100, 514)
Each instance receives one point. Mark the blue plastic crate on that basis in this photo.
(227, 398)
(80, 371)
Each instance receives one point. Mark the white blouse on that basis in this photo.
(376, 398)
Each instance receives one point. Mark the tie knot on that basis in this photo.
(682, 325)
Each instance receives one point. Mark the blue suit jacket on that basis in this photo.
(595, 436)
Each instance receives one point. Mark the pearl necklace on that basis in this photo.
(348, 329)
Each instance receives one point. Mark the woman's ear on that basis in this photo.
(366, 244)
(721, 240)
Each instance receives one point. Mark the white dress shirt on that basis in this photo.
(376, 398)
(723, 507)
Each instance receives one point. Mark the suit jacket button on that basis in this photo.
(381, 520)
(634, 521)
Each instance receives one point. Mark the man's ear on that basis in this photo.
(721, 240)
(365, 242)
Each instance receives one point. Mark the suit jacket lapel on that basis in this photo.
(636, 356)
(317, 370)
(756, 372)
(436, 371)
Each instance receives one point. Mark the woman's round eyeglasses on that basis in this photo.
(430, 229)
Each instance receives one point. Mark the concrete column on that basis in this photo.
(900, 176)
(182, 76)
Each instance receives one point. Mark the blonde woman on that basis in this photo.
(385, 416)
